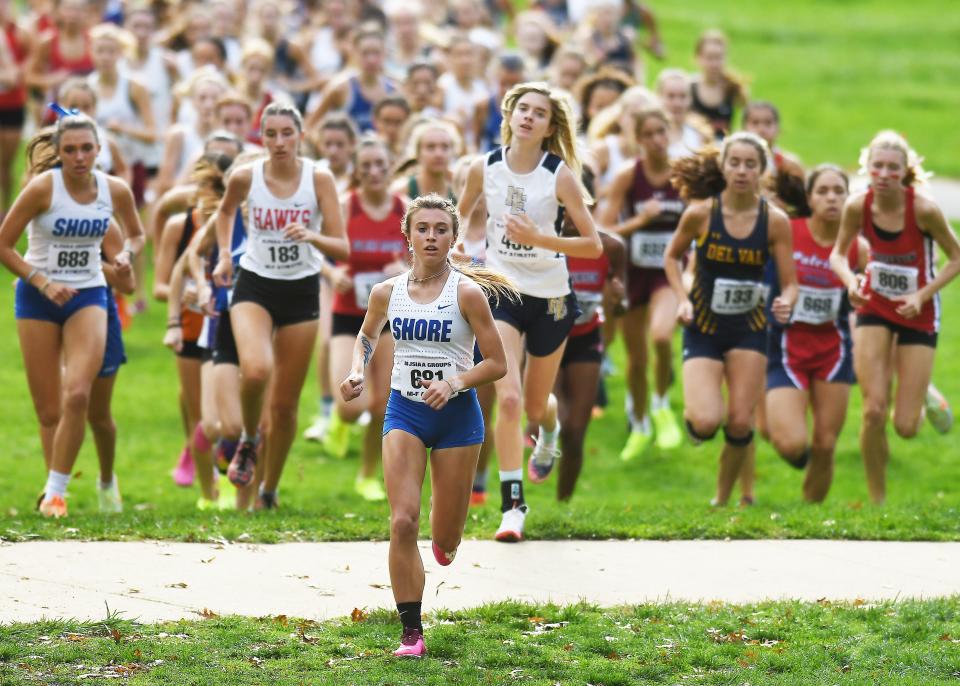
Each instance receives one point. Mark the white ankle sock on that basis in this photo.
(56, 484)
(512, 475)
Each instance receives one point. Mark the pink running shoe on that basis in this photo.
(186, 470)
(411, 644)
(442, 558)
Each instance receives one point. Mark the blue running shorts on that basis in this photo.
(459, 423)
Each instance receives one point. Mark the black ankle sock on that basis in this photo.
(511, 495)
(410, 615)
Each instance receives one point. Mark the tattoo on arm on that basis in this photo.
(367, 349)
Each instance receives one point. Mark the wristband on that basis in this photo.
(128, 248)
(33, 273)
(43, 288)
(452, 392)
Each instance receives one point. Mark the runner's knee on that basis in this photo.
(906, 427)
(404, 526)
(875, 412)
(509, 406)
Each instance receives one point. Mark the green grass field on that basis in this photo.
(784, 644)
(657, 496)
(839, 70)
(835, 86)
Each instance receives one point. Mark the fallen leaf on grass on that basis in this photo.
(117, 636)
(77, 475)
(302, 634)
(358, 615)
(568, 647)
(612, 655)
(207, 614)
(179, 584)
(137, 653)
(534, 620)
(281, 620)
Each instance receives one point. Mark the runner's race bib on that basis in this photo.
(817, 305)
(508, 251)
(589, 302)
(414, 372)
(363, 283)
(732, 296)
(279, 255)
(73, 262)
(647, 248)
(890, 280)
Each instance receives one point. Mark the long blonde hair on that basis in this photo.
(494, 284)
(563, 141)
(914, 173)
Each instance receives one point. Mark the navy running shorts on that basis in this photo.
(459, 423)
(716, 345)
(114, 354)
(545, 321)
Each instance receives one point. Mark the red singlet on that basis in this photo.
(373, 245)
(900, 263)
(588, 276)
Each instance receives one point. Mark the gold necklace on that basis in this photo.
(427, 278)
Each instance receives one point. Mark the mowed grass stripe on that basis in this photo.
(907, 643)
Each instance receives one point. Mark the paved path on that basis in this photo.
(165, 581)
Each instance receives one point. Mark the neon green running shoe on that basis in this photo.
(204, 505)
(636, 444)
(667, 428)
(337, 441)
(108, 499)
(227, 499)
(370, 489)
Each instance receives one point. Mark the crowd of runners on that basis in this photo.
(453, 230)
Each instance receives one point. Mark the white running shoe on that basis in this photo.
(938, 410)
(545, 454)
(109, 499)
(317, 430)
(511, 526)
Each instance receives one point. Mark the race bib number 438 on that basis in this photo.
(890, 280)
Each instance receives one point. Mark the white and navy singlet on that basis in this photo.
(64, 242)
(535, 271)
(269, 254)
(433, 340)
